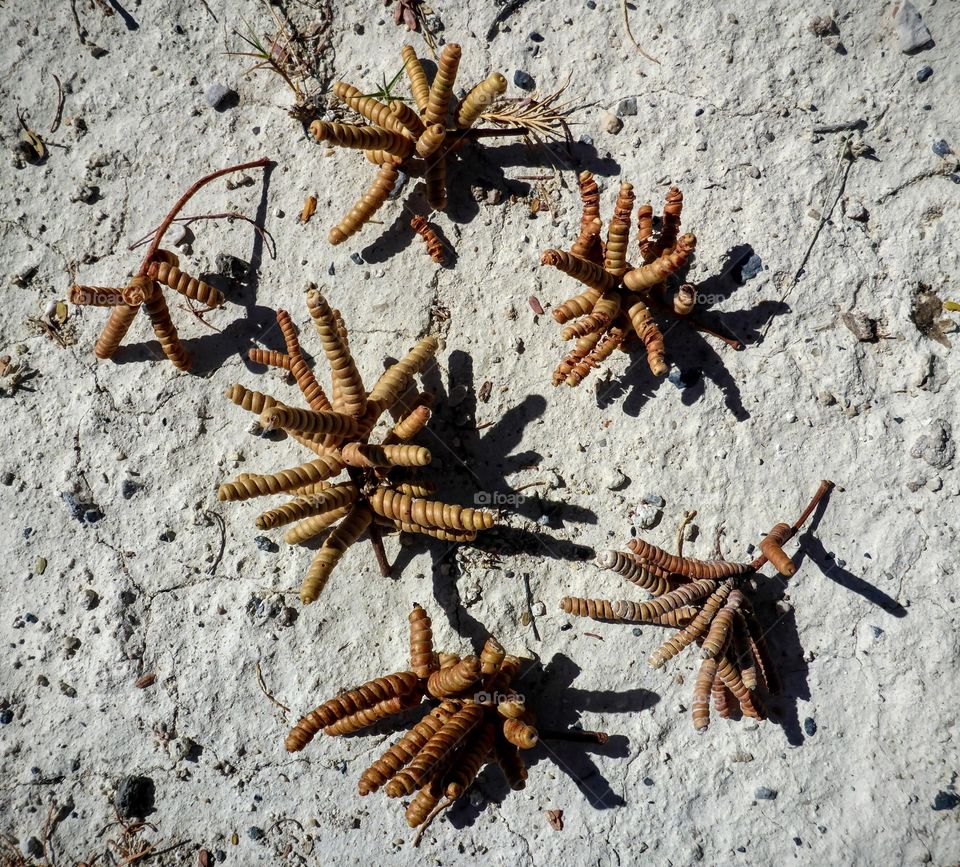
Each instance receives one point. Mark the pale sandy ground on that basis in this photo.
(747, 443)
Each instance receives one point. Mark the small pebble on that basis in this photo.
(220, 97)
(924, 72)
(854, 209)
(128, 488)
(523, 80)
(941, 148)
(168, 536)
(6, 717)
(764, 794)
(826, 399)
(877, 632)
(401, 182)
(646, 517)
(627, 107)
(255, 833)
(30, 617)
(591, 4)
(544, 520)
(265, 544)
(911, 31)
(810, 727)
(611, 123)
(616, 480)
(750, 268)
(946, 801)
(332, 269)
(637, 631)
(91, 516)
(654, 500)
(586, 140)
(357, 258)
(89, 599)
(6, 479)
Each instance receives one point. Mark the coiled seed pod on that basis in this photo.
(435, 180)
(509, 669)
(366, 455)
(403, 751)
(368, 716)
(306, 381)
(373, 110)
(421, 643)
(701, 695)
(442, 87)
(258, 485)
(671, 220)
(378, 158)
(598, 609)
(312, 527)
(637, 612)
(424, 801)
(364, 696)
(190, 287)
(114, 331)
(141, 290)
(685, 565)
(471, 760)
(432, 532)
(588, 273)
(513, 707)
(446, 660)
(350, 135)
(456, 680)
(771, 548)
(408, 118)
(335, 497)
(760, 653)
(669, 262)
(678, 618)
(431, 239)
(395, 379)
(308, 421)
(649, 578)
(95, 296)
(431, 139)
(614, 338)
(749, 702)
(511, 763)
(579, 305)
(590, 198)
(428, 513)
(269, 358)
(343, 536)
(252, 401)
(352, 398)
(647, 331)
(690, 633)
(604, 311)
(159, 315)
(520, 734)
(491, 658)
(410, 425)
(438, 752)
(582, 348)
(722, 698)
(418, 79)
(367, 205)
(720, 626)
(618, 233)
(479, 99)
(683, 300)
(415, 488)
(644, 232)
(587, 241)
(740, 652)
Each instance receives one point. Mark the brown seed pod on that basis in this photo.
(588, 273)
(596, 609)
(367, 206)
(410, 425)
(648, 577)
(722, 698)
(511, 763)
(95, 296)
(274, 483)
(159, 315)
(442, 88)
(307, 421)
(188, 286)
(373, 110)
(520, 734)
(646, 329)
(421, 643)
(418, 79)
(457, 680)
(349, 135)
(428, 513)
(604, 312)
(720, 626)
(479, 99)
(310, 528)
(671, 220)
(433, 532)
(115, 330)
(618, 233)
(334, 498)
(491, 658)
(434, 244)
(468, 765)
(701, 695)
(644, 232)
(588, 241)
(685, 565)
(269, 358)
(669, 262)
(613, 339)
(408, 118)
(435, 180)
(579, 305)
(306, 381)
(431, 140)
(423, 803)
(368, 716)
(346, 378)
(582, 348)
(364, 455)
(771, 548)
(351, 528)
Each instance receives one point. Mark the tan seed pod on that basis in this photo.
(352, 395)
(684, 565)
(447, 660)
(432, 532)
(648, 251)
(269, 358)
(365, 717)
(469, 763)
(302, 373)
(701, 695)
(364, 455)
(309, 421)
(479, 99)
(513, 708)
(343, 536)
(613, 339)
(678, 618)
(719, 632)
(442, 88)
(491, 658)
(646, 329)
(760, 653)
(141, 290)
(618, 233)
(722, 698)
(649, 578)
(597, 609)
(587, 241)
(588, 273)
(456, 680)
(579, 305)
(410, 425)
(683, 300)
(671, 220)
(431, 239)
(397, 378)
(373, 110)
(310, 528)
(252, 401)
(285, 480)
(159, 315)
(332, 499)
(690, 633)
(415, 488)
(423, 803)
(428, 513)
(582, 348)
(367, 205)
(190, 287)
(95, 296)
(749, 702)
(421, 643)
(509, 669)
(647, 276)
(771, 548)
(408, 118)
(520, 734)
(362, 137)
(590, 199)
(418, 79)
(604, 311)
(435, 181)
(431, 140)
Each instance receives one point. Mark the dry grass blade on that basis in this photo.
(543, 120)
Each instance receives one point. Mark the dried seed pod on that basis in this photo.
(114, 331)
(397, 377)
(403, 751)
(587, 240)
(363, 455)
(456, 680)
(418, 79)
(306, 421)
(343, 536)
(471, 760)
(588, 273)
(701, 695)
(364, 696)
(579, 305)
(447, 660)
(479, 99)
(509, 669)
(671, 220)
(434, 244)
(141, 290)
(590, 199)
(428, 513)
(332, 499)
(604, 311)
(648, 577)
(678, 618)
(257, 485)
(159, 315)
(421, 643)
(95, 296)
(435, 181)
(416, 488)
(511, 763)
(613, 339)
(431, 140)
(683, 300)
(423, 803)
(690, 633)
(520, 734)
(648, 250)
(306, 381)
(408, 118)
(669, 262)
(252, 401)
(771, 548)
(437, 753)
(513, 707)
(188, 286)
(442, 88)
(618, 233)
(685, 565)
(365, 717)
(597, 609)
(410, 425)
(366, 206)
(349, 135)
(378, 158)
(310, 528)
(433, 532)
(722, 698)
(717, 636)
(352, 397)
(269, 358)
(647, 331)
(309, 209)
(582, 348)
(491, 658)
(373, 110)
(749, 703)
(760, 653)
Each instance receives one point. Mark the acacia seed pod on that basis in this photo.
(159, 315)
(520, 734)
(456, 680)
(433, 532)
(670, 227)
(410, 425)
(582, 348)
(421, 643)
(587, 241)
(114, 331)
(430, 140)
(690, 633)
(491, 658)
(269, 358)
(305, 421)
(435, 180)
(189, 287)
(373, 110)
(408, 118)
(625, 565)
(368, 456)
(647, 276)
(479, 99)
(618, 233)
(302, 373)
(701, 695)
(343, 536)
(442, 87)
(285, 480)
(312, 527)
(648, 250)
(424, 801)
(686, 565)
(428, 513)
(352, 397)
(365, 717)
(431, 239)
(362, 137)
(471, 760)
(588, 273)
(397, 377)
(95, 296)
(604, 311)
(721, 697)
(418, 79)
(597, 609)
(332, 499)
(771, 548)
(579, 305)
(367, 205)
(614, 338)
(252, 401)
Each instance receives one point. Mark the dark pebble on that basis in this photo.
(924, 72)
(877, 631)
(91, 516)
(647, 781)
(535, 37)
(637, 631)
(129, 488)
(6, 717)
(797, 841)
(764, 794)
(265, 544)
(30, 618)
(357, 258)
(591, 4)
(220, 855)
(331, 270)
(27, 532)
(750, 268)
(946, 801)
(940, 147)
(523, 80)
(809, 726)
(698, 112)
(7, 479)
(167, 536)
(255, 833)
(76, 509)
(134, 797)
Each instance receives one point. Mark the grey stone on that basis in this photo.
(911, 31)
(810, 727)
(941, 148)
(89, 599)
(32, 847)
(862, 326)
(627, 107)
(654, 500)
(646, 516)
(134, 797)
(923, 73)
(220, 97)
(523, 80)
(936, 447)
(765, 794)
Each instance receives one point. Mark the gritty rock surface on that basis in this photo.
(873, 784)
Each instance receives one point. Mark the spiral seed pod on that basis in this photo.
(761, 653)
(588, 273)
(431, 239)
(95, 296)
(582, 348)
(335, 497)
(690, 633)
(579, 305)
(597, 609)
(511, 763)
(190, 287)
(612, 340)
(421, 643)
(269, 358)
(114, 331)
(491, 658)
(141, 290)
(513, 707)
(701, 695)
(373, 110)
(447, 660)
(618, 233)
(587, 241)
(671, 220)
(364, 696)
(367, 205)
(352, 397)
(368, 716)
(431, 139)
(442, 87)
(683, 300)
(306, 381)
(685, 565)
(343, 536)
(252, 401)
(509, 669)
(771, 548)
(644, 232)
(409, 426)
(716, 640)
(650, 579)
(349, 135)
(432, 532)
(647, 276)
(309, 422)
(749, 702)
(646, 329)
(471, 760)
(259, 485)
(378, 158)
(418, 79)
(678, 618)
(423, 803)
(159, 315)
(403, 751)
(589, 197)
(437, 753)
(645, 612)
(740, 652)
(310, 528)
(365, 455)
(604, 311)
(397, 377)
(520, 734)
(407, 117)
(415, 488)
(456, 680)
(435, 181)
(722, 698)
(428, 513)
(479, 99)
